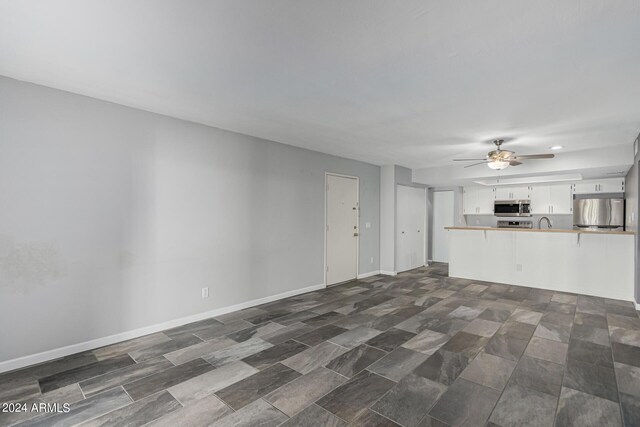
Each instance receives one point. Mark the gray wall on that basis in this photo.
(632, 208)
(113, 219)
(388, 218)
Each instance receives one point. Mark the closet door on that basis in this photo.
(411, 208)
(420, 223)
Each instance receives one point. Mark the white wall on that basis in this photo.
(113, 219)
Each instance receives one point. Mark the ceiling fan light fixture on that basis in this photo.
(498, 165)
(556, 147)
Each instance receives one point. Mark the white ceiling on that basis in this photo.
(411, 82)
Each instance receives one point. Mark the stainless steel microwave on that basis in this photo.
(512, 208)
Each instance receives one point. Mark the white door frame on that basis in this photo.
(433, 216)
(326, 175)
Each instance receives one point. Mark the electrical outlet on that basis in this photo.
(205, 292)
(518, 267)
(371, 260)
(367, 225)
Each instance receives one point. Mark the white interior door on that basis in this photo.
(411, 209)
(442, 217)
(342, 229)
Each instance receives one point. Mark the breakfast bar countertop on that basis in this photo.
(540, 230)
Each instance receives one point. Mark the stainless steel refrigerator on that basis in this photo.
(598, 214)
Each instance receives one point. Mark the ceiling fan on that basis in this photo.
(501, 159)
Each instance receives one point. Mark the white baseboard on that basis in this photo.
(21, 362)
(369, 274)
(388, 273)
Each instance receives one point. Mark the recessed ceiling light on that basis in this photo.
(556, 147)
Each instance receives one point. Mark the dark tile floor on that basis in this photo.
(419, 349)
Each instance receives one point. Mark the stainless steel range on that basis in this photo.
(515, 224)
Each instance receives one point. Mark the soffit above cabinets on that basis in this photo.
(529, 179)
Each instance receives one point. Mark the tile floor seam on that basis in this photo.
(615, 376)
(113, 410)
(501, 391)
(370, 408)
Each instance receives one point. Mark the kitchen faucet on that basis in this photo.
(548, 222)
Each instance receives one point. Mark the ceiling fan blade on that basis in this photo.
(534, 156)
(514, 162)
(466, 160)
(476, 164)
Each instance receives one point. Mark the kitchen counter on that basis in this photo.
(541, 230)
(583, 262)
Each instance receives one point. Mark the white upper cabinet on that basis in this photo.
(470, 200)
(546, 199)
(540, 199)
(513, 193)
(486, 199)
(611, 185)
(478, 200)
(561, 199)
(551, 199)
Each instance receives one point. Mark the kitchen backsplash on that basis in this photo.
(557, 221)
